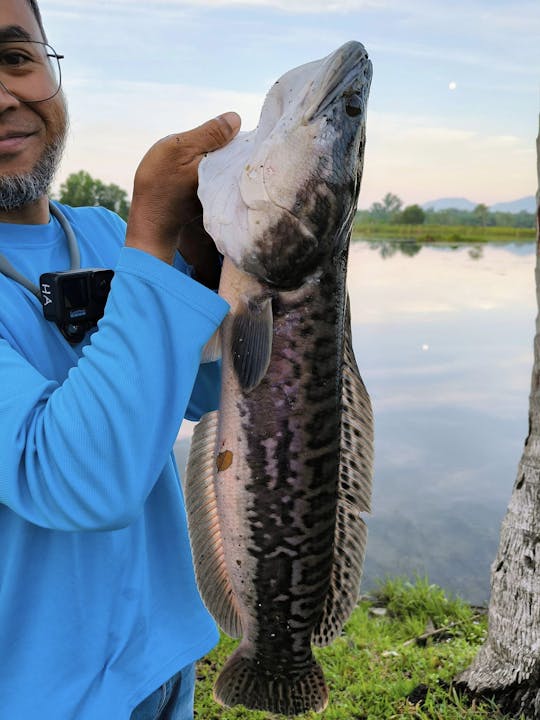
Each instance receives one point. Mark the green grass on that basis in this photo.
(443, 233)
(370, 671)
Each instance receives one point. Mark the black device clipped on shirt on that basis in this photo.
(75, 299)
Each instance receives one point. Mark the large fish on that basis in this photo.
(278, 478)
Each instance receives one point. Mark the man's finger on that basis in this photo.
(231, 119)
(212, 134)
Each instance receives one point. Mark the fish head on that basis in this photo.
(279, 201)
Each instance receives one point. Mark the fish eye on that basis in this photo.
(353, 105)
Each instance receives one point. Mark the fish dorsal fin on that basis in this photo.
(204, 531)
(354, 496)
(251, 341)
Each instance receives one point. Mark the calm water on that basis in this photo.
(443, 340)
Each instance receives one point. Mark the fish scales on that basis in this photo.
(277, 480)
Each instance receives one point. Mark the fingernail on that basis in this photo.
(232, 119)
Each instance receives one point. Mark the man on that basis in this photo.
(100, 618)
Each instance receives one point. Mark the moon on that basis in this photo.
(452, 85)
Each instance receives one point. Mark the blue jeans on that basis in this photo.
(172, 701)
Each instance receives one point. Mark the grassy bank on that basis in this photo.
(382, 668)
(443, 233)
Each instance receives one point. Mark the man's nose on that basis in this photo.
(7, 100)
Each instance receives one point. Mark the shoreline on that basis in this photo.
(432, 234)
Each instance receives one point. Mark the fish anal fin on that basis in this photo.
(251, 341)
(205, 536)
(354, 498)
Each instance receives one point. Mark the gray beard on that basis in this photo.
(19, 190)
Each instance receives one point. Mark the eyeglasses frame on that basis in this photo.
(54, 54)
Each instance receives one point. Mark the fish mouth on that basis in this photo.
(346, 72)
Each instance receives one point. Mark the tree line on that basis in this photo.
(80, 189)
(391, 211)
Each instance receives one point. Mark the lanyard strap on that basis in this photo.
(7, 269)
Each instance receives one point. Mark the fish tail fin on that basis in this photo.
(241, 682)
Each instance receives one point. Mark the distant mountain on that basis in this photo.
(446, 203)
(514, 206)
(525, 203)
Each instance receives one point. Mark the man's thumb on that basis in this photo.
(231, 119)
(217, 132)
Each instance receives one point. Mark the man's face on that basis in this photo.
(28, 132)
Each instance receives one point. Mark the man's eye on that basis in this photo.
(14, 59)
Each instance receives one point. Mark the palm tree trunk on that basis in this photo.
(507, 666)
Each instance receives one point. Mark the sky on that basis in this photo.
(454, 104)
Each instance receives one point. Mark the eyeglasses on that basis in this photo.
(29, 70)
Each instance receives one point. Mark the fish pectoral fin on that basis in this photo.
(204, 530)
(251, 341)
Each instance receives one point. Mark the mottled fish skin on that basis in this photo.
(278, 497)
(269, 533)
(290, 491)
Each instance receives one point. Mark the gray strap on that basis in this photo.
(7, 269)
(74, 254)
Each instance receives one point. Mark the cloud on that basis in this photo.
(107, 146)
(428, 286)
(437, 135)
(404, 154)
(302, 6)
(475, 142)
(472, 57)
(290, 6)
(471, 16)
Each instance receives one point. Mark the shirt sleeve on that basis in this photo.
(206, 391)
(84, 455)
(207, 388)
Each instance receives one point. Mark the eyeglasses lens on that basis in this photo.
(29, 70)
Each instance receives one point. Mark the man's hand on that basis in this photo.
(165, 210)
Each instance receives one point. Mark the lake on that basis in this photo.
(443, 339)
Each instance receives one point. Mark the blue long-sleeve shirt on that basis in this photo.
(98, 602)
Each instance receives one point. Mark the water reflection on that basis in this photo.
(476, 252)
(443, 338)
(388, 248)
